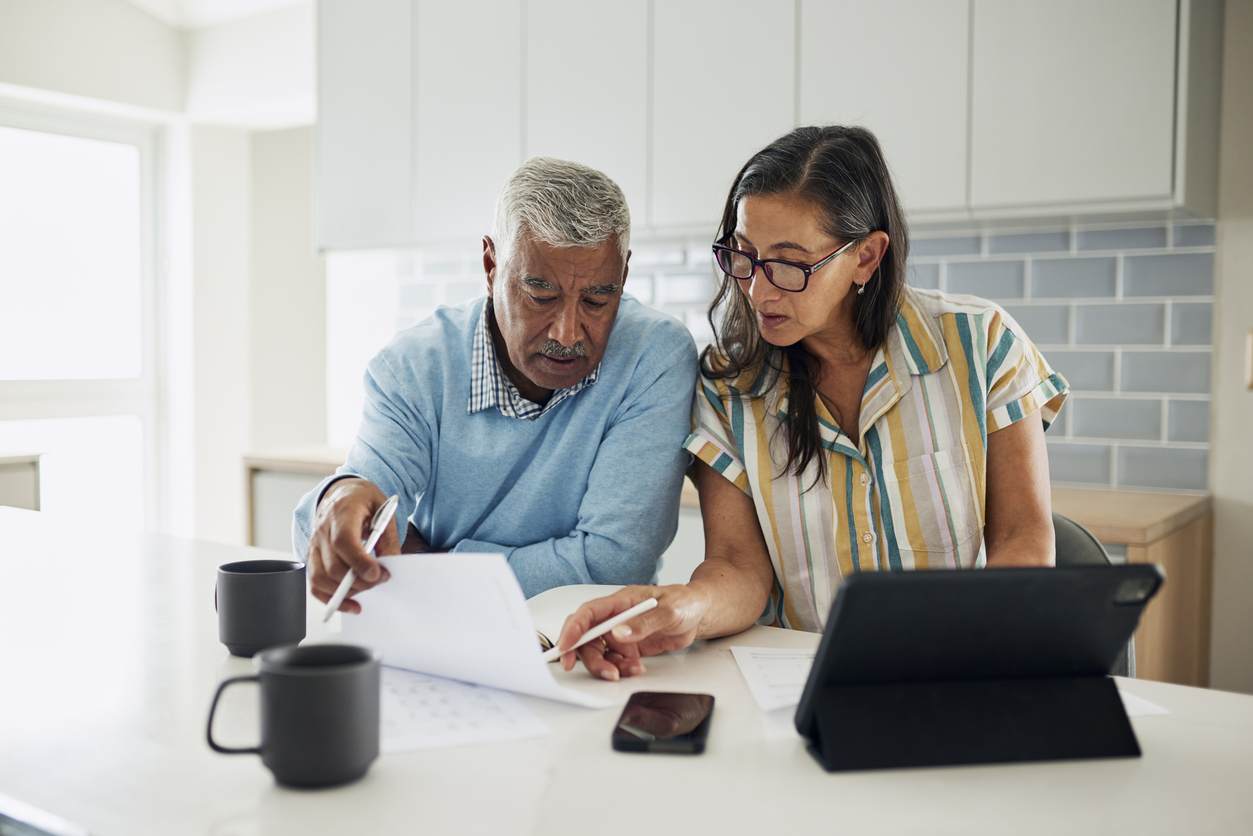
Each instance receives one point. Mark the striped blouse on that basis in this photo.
(911, 494)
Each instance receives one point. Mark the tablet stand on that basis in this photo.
(904, 724)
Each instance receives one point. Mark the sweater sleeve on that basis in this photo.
(629, 514)
(392, 450)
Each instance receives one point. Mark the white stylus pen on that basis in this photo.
(603, 628)
(382, 517)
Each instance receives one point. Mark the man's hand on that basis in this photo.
(342, 523)
(673, 624)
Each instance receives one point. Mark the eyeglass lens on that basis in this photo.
(739, 266)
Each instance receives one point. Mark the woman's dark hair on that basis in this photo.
(841, 170)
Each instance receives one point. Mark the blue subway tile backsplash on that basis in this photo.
(1044, 324)
(1029, 242)
(1166, 371)
(1120, 324)
(1163, 467)
(1084, 370)
(1074, 277)
(1087, 464)
(1172, 274)
(1194, 235)
(925, 276)
(1187, 421)
(1124, 314)
(989, 279)
(1139, 238)
(1190, 323)
(964, 245)
(1116, 418)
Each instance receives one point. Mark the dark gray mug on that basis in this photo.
(260, 603)
(319, 713)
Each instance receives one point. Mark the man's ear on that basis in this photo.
(489, 262)
(626, 268)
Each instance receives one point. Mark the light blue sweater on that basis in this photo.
(586, 493)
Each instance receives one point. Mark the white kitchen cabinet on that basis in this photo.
(1072, 102)
(911, 94)
(724, 84)
(364, 147)
(587, 89)
(468, 127)
(986, 109)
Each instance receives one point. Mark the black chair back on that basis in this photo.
(1077, 547)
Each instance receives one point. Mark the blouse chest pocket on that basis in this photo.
(934, 497)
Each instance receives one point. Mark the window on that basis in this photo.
(77, 332)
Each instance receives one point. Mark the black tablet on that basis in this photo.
(989, 638)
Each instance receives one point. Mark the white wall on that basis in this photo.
(288, 298)
(1232, 457)
(101, 49)
(221, 208)
(257, 72)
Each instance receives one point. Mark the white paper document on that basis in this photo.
(457, 616)
(776, 676)
(426, 712)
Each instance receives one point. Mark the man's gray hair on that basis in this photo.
(562, 204)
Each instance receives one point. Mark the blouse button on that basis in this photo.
(867, 537)
(864, 478)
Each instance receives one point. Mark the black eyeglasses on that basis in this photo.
(785, 275)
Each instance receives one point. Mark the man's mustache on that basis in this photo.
(557, 351)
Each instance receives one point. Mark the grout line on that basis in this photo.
(1166, 420)
(1167, 335)
(1118, 277)
(1027, 275)
(1072, 331)
(1113, 465)
(1117, 368)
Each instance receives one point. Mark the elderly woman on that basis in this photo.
(843, 422)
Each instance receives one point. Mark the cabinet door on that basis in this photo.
(587, 88)
(1073, 101)
(469, 114)
(912, 95)
(724, 85)
(363, 137)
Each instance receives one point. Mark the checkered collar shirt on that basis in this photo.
(490, 387)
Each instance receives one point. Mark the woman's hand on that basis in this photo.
(673, 624)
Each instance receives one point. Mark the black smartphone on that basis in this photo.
(655, 721)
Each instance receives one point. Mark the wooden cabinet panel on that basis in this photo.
(587, 89)
(723, 86)
(363, 137)
(1072, 102)
(915, 100)
(469, 114)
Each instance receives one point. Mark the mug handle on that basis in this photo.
(213, 709)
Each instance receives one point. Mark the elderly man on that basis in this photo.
(544, 422)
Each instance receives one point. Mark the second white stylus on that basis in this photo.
(602, 628)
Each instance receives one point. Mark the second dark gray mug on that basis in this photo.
(260, 603)
(319, 713)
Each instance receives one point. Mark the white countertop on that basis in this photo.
(110, 657)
